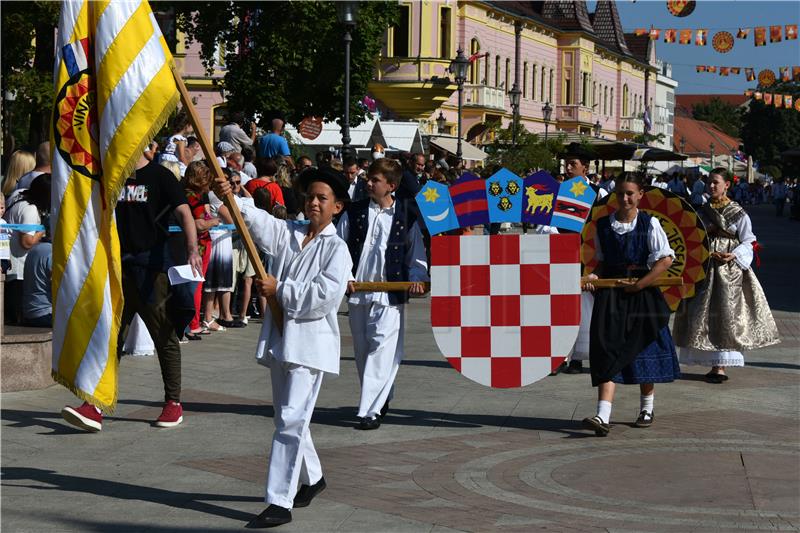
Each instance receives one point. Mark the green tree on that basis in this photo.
(288, 57)
(28, 38)
(768, 131)
(725, 116)
(531, 151)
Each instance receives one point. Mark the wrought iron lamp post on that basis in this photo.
(347, 13)
(598, 129)
(458, 67)
(683, 148)
(440, 122)
(547, 112)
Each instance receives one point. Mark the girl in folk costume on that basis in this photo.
(310, 267)
(731, 313)
(629, 337)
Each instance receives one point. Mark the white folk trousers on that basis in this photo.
(293, 459)
(378, 345)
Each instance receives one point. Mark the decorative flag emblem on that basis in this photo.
(504, 196)
(469, 198)
(574, 200)
(437, 208)
(541, 191)
(505, 309)
(775, 33)
(701, 38)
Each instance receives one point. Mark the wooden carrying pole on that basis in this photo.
(616, 283)
(385, 286)
(230, 203)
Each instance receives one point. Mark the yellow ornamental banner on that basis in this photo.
(114, 89)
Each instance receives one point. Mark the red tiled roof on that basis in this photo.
(699, 135)
(685, 102)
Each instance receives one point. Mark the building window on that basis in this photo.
(475, 66)
(541, 92)
(444, 32)
(533, 82)
(585, 89)
(567, 87)
(605, 101)
(611, 103)
(625, 101)
(400, 33)
(550, 86)
(524, 79)
(508, 70)
(497, 71)
(486, 70)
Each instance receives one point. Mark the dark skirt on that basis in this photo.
(629, 340)
(657, 363)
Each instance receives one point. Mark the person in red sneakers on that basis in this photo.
(142, 214)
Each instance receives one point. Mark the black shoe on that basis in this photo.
(369, 423)
(231, 323)
(645, 419)
(715, 377)
(600, 428)
(308, 492)
(560, 368)
(193, 337)
(384, 409)
(574, 366)
(272, 516)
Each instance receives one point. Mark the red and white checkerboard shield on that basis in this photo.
(505, 309)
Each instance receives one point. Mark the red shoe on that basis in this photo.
(85, 417)
(171, 416)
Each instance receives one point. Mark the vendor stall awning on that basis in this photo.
(450, 144)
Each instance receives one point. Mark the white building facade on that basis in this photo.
(664, 113)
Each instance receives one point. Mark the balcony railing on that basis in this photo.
(484, 96)
(574, 113)
(632, 124)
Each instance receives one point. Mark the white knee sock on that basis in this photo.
(604, 411)
(646, 403)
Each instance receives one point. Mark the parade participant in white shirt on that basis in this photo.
(385, 244)
(309, 267)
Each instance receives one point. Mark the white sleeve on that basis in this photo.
(743, 252)
(541, 229)
(416, 259)
(343, 227)
(314, 298)
(269, 233)
(29, 215)
(657, 243)
(602, 193)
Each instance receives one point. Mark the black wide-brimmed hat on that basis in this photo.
(332, 177)
(577, 151)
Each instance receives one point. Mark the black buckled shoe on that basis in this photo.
(272, 516)
(369, 423)
(645, 419)
(308, 492)
(574, 367)
(595, 423)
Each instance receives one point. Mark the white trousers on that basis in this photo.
(580, 352)
(378, 345)
(293, 458)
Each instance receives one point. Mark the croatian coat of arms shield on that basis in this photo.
(505, 309)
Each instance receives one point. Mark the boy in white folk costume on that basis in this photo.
(385, 244)
(311, 266)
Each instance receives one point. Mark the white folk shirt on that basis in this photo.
(311, 284)
(372, 263)
(657, 241)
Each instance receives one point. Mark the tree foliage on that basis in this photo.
(26, 33)
(725, 116)
(767, 131)
(287, 57)
(530, 153)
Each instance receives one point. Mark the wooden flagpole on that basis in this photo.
(600, 283)
(230, 203)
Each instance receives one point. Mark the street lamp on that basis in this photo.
(683, 148)
(598, 129)
(440, 122)
(514, 96)
(9, 97)
(458, 67)
(712, 154)
(547, 112)
(347, 13)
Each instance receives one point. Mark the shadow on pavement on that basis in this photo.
(126, 491)
(774, 365)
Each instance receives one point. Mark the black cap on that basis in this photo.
(333, 178)
(577, 151)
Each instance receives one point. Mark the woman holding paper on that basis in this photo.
(629, 336)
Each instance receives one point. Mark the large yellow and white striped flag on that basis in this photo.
(114, 90)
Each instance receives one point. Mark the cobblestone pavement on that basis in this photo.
(451, 456)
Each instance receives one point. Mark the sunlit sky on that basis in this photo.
(716, 16)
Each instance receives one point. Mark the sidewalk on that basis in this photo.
(451, 456)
